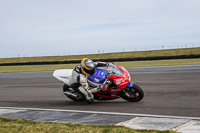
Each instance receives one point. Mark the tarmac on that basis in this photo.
(171, 100)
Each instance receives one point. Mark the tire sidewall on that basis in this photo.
(136, 88)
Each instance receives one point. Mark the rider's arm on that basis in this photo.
(101, 64)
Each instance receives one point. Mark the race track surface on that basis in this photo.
(173, 90)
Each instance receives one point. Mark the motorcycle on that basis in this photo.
(116, 77)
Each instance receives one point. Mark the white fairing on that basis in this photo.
(63, 75)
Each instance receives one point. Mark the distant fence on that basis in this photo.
(104, 60)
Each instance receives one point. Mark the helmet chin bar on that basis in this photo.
(88, 72)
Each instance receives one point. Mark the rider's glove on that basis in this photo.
(107, 64)
(103, 86)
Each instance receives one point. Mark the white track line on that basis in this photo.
(105, 113)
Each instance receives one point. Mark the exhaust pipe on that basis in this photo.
(72, 95)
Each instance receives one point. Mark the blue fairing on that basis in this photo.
(99, 76)
(130, 84)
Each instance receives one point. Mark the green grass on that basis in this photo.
(32, 68)
(171, 52)
(25, 126)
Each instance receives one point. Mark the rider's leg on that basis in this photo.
(84, 89)
(87, 96)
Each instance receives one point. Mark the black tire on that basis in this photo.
(135, 94)
(66, 88)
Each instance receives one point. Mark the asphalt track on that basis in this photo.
(173, 91)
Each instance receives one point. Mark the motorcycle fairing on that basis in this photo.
(99, 76)
(63, 75)
(130, 84)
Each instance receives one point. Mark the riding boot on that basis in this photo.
(87, 96)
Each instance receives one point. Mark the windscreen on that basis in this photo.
(114, 69)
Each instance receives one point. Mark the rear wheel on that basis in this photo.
(65, 87)
(133, 94)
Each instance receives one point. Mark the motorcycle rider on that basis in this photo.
(79, 78)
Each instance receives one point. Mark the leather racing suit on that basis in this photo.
(80, 84)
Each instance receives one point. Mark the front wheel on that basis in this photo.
(133, 94)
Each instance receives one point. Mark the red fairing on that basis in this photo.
(121, 81)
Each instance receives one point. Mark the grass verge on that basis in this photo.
(153, 53)
(25, 126)
(32, 68)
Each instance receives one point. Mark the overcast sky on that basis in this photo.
(47, 27)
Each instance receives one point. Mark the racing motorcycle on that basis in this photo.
(116, 77)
